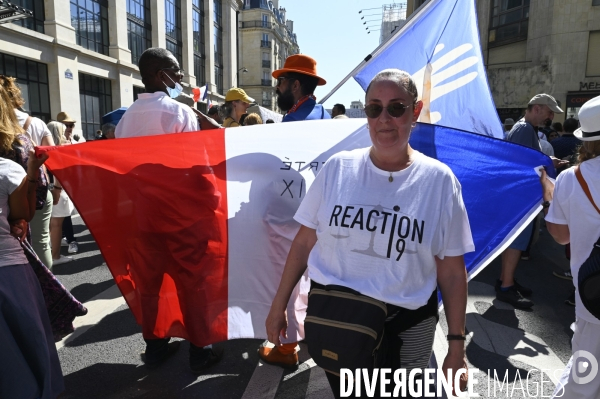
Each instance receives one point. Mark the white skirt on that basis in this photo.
(64, 207)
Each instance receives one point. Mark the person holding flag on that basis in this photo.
(410, 189)
(156, 112)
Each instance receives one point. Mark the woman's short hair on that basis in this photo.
(226, 109)
(13, 90)
(401, 78)
(253, 119)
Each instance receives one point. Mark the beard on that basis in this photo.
(285, 100)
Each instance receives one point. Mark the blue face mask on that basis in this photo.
(176, 91)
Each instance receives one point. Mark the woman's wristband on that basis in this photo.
(456, 337)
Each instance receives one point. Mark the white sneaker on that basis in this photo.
(61, 260)
(64, 243)
(73, 247)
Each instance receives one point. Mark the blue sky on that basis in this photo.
(332, 32)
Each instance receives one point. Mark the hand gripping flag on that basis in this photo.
(439, 47)
(196, 228)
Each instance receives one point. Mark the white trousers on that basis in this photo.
(580, 380)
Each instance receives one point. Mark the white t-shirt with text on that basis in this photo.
(571, 206)
(381, 238)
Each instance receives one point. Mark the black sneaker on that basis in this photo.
(157, 357)
(564, 274)
(526, 292)
(202, 358)
(525, 255)
(571, 299)
(513, 297)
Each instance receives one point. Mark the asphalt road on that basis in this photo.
(102, 358)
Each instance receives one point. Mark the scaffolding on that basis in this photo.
(393, 17)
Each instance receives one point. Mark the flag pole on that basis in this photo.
(375, 52)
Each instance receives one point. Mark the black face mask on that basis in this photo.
(285, 100)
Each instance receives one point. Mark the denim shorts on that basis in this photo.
(522, 241)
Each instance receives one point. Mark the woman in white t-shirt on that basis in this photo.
(388, 222)
(572, 218)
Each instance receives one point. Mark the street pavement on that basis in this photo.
(102, 358)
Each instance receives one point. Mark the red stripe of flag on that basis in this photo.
(157, 207)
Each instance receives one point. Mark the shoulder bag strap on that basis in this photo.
(585, 187)
(27, 123)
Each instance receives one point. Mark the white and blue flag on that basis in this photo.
(440, 48)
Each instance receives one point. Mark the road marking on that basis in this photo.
(210, 376)
(98, 307)
(264, 382)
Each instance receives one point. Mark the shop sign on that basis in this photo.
(577, 100)
(589, 86)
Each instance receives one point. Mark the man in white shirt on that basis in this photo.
(156, 112)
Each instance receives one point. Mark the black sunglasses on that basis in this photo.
(69, 124)
(282, 78)
(396, 110)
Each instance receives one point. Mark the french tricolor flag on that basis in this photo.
(196, 227)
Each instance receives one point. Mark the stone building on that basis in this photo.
(80, 56)
(539, 46)
(267, 38)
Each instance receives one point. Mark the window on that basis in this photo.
(509, 21)
(95, 100)
(137, 91)
(246, 3)
(596, 2)
(90, 20)
(265, 21)
(139, 30)
(199, 53)
(173, 20)
(266, 79)
(218, 31)
(32, 78)
(37, 21)
(266, 99)
(265, 42)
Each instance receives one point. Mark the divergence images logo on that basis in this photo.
(584, 368)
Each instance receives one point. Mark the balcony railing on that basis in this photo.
(266, 63)
(265, 43)
(266, 82)
(266, 103)
(257, 24)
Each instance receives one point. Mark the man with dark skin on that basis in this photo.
(156, 112)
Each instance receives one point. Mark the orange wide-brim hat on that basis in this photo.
(300, 63)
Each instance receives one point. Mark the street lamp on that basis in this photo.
(237, 74)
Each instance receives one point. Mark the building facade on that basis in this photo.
(80, 56)
(539, 46)
(267, 38)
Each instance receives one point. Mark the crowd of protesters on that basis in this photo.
(35, 220)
